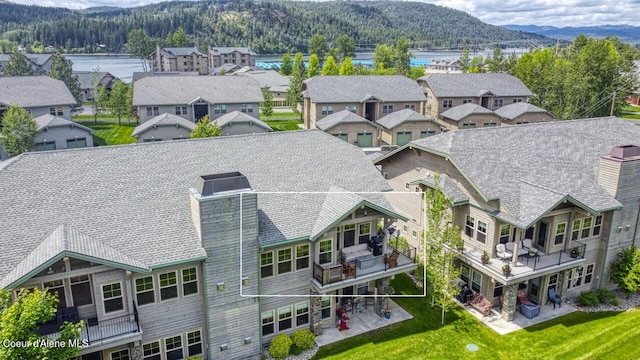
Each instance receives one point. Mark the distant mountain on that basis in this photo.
(630, 34)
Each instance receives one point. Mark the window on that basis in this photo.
(387, 109)
(219, 109)
(56, 110)
(152, 140)
(468, 126)
(586, 227)
(597, 226)
(324, 255)
(447, 103)
(364, 232)
(302, 256)
(482, 232)
(411, 106)
(588, 276)
(363, 288)
(490, 124)
(350, 108)
(344, 137)
(120, 355)
(153, 110)
(112, 297)
(553, 281)
(194, 343)
(497, 102)
(466, 101)
(173, 347)
(144, 290)
(168, 286)
(44, 146)
(57, 286)
(326, 307)
(424, 134)
(181, 110)
(476, 282)
(267, 323)
(469, 226)
(505, 231)
(521, 122)
(517, 100)
(575, 277)
(327, 110)
(76, 143)
(497, 289)
(575, 231)
(464, 273)
(560, 231)
(284, 318)
(284, 261)
(246, 108)
(189, 281)
(302, 313)
(414, 234)
(266, 264)
(151, 351)
(81, 290)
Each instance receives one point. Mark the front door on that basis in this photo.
(365, 139)
(534, 290)
(404, 138)
(543, 231)
(370, 111)
(199, 111)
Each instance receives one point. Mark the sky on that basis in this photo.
(559, 13)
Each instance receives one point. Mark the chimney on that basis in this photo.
(618, 170)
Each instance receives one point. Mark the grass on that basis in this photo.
(631, 108)
(580, 335)
(110, 133)
(283, 125)
(289, 115)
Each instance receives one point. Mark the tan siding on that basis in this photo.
(352, 131)
(528, 118)
(478, 119)
(608, 172)
(415, 127)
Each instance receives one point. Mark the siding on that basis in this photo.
(60, 135)
(352, 131)
(37, 111)
(415, 127)
(478, 119)
(529, 118)
(171, 109)
(165, 133)
(243, 128)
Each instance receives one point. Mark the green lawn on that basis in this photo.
(109, 133)
(283, 125)
(580, 335)
(631, 108)
(289, 115)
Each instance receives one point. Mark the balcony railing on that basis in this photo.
(403, 248)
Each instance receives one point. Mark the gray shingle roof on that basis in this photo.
(183, 51)
(50, 121)
(37, 59)
(460, 112)
(360, 88)
(238, 117)
(165, 119)
(34, 91)
(514, 110)
(229, 50)
(176, 90)
(135, 198)
(342, 117)
(474, 85)
(139, 75)
(266, 78)
(86, 78)
(396, 118)
(532, 167)
(448, 187)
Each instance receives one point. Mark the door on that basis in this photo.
(199, 111)
(403, 138)
(370, 111)
(349, 235)
(365, 140)
(341, 136)
(534, 290)
(543, 231)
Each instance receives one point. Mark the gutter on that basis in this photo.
(206, 309)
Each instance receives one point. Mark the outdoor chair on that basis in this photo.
(502, 253)
(551, 296)
(392, 260)
(526, 243)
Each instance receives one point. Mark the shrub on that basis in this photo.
(607, 297)
(303, 339)
(280, 346)
(625, 271)
(588, 298)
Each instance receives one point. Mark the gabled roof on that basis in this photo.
(51, 121)
(460, 112)
(226, 68)
(177, 90)
(396, 118)
(37, 59)
(532, 168)
(342, 117)
(182, 51)
(229, 50)
(514, 110)
(139, 75)
(165, 119)
(447, 185)
(86, 78)
(238, 117)
(34, 91)
(359, 88)
(266, 78)
(471, 85)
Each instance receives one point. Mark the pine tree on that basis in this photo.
(267, 105)
(18, 65)
(18, 130)
(314, 66)
(205, 128)
(294, 94)
(330, 67)
(347, 67)
(287, 66)
(61, 70)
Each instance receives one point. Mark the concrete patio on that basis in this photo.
(363, 322)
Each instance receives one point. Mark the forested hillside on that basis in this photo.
(269, 26)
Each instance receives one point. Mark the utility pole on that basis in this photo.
(613, 103)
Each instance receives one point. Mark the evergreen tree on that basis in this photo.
(61, 70)
(403, 57)
(465, 60)
(267, 104)
(346, 47)
(18, 65)
(314, 66)
(318, 45)
(346, 68)
(294, 94)
(496, 63)
(180, 38)
(205, 128)
(140, 45)
(330, 67)
(287, 66)
(18, 130)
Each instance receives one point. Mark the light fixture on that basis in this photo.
(247, 340)
(245, 280)
(220, 286)
(50, 271)
(224, 347)
(619, 228)
(627, 227)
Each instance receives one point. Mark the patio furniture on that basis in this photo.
(534, 256)
(392, 260)
(481, 304)
(355, 252)
(366, 262)
(555, 299)
(522, 297)
(526, 244)
(529, 310)
(348, 270)
(521, 251)
(502, 253)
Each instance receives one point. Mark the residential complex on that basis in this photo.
(40, 63)
(191, 59)
(91, 81)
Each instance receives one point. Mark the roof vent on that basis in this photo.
(214, 184)
(625, 151)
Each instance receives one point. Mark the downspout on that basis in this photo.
(635, 230)
(206, 309)
(260, 309)
(606, 252)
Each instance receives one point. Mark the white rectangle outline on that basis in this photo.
(424, 258)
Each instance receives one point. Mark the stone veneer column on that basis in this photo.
(315, 304)
(509, 303)
(137, 351)
(560, 285)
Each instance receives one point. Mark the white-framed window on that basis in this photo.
(194, 343)
(414, 234)
(302, 313)
(476, 281)
(553, 282)
(447, 104)
(364, 233)
(189, 281)
(410, 106)
(81, 290)
(76, 143)
(561, 230)
(120, 355)
(56, 110)
(284, 318)
(302, 257)
(153, 110)
(424, 134)
(497, 102)
(326, 110)
(465, 101)
(173, 347)
(575, 230)
(267, 323)
(144, 290)
(266, 264)
(151, 351)
(181, 110)
(246, 108)
(505, 231)
(324, 253)
(586, 227)
(481, 234)
(588, 275)
(597, 226)
(112, 297)
(470, 225)
(57, 286)
(219, 109)
(350, 108)
(325, 305)
(168, 286)
(464, 273)
(575, 277)
(387, 109)
(284, 261)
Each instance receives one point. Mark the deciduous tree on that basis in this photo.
(403, 57)
(287, 66)
(383, 55)
(625, 270)
(346, 47)
(346, 68)
(267, 104)
(61, 70)
(118, 100)
(140, 45)
(330, 67)
(318, 45)
(18, 130)
(314, 66)
(205, 128)
(18, 65)
(294, 94)
(465, 60)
